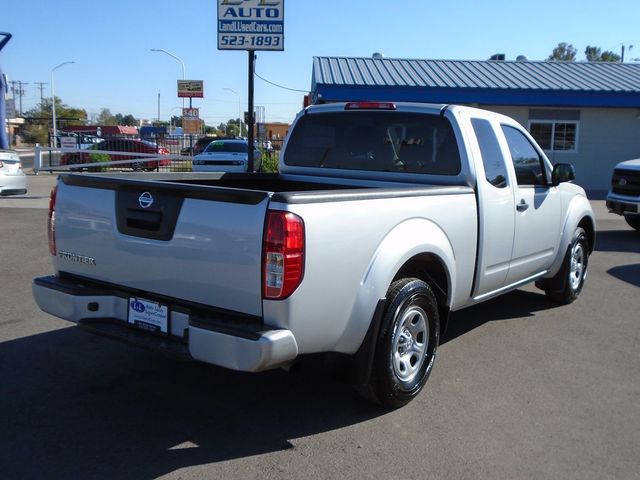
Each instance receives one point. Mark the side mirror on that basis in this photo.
(562, 172)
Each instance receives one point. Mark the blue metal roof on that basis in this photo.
(602, 84)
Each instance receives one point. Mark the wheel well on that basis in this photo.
(430, 269)
(587, 224)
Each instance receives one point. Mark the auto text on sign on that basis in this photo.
(251, 24)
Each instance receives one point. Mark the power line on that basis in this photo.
(41, 88)
(279, 86)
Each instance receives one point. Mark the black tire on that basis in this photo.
(406, 346)
(137, 166)
(567, 284)
(633, 221)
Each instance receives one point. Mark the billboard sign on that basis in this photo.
(190, 89)
(250, 24)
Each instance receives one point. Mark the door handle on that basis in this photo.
(522, 206)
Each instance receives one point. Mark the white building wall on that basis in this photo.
(606, 136)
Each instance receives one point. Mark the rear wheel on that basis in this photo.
(407, 344)
(633, 221)
(137, 166)
(567, 284)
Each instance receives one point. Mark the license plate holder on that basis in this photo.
(148, 315)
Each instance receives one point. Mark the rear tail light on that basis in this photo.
(282, 254)
(51, 222)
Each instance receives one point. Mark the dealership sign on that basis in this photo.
(250, 24)
(190, 89)
(191, 112)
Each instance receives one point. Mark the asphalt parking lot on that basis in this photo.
(521, 389)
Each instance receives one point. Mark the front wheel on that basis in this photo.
(633, 221)
(407, 343)
(567, 284)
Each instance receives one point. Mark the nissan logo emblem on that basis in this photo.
(622, 182)
(145, 200)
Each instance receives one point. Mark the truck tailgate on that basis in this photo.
(196, 243)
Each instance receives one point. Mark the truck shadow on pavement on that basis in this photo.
(627, 273)
(516, 304)
(73, 405)
(625, 241)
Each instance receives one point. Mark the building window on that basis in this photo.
(555, 136)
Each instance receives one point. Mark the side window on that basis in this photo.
(526, 161)
(495, 169)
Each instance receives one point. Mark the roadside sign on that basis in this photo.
(68, 142)
(10, 107)
(250, 24)
(190, 89)
(191, 125)
(191, 112)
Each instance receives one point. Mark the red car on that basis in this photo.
(129, 146)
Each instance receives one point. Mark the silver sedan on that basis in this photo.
(13, 181)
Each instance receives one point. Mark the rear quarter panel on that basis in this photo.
(353, 251)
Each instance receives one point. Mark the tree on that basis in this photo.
(127, 120)
(176, 121)
(106, 118)
(595, 54)
(39, 118)
(229, 129)
(609, 56)
(563, 53)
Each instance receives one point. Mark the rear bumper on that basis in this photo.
(13, 184)
(230, 341)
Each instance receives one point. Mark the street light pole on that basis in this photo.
(175, 58)
(53, 102)
(239, 107)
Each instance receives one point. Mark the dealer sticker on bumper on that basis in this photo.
(147, 315)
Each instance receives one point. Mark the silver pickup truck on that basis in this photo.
(383, 219)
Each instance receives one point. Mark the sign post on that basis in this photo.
(251, 25)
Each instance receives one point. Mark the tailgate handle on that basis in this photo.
(144, 220)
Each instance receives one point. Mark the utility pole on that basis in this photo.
(41, 88)
(19, 91)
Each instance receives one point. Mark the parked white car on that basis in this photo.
(225, 156)
(13, 181)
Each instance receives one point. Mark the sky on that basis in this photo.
(114, 68)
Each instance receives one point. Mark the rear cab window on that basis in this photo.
(495, 169)
(375, 141)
